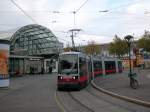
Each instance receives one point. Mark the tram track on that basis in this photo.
(68, 103)
(92, 100)
(99, 96)
(84, 103)
(79, 102)
(97, 104)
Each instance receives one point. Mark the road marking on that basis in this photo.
(59, 103)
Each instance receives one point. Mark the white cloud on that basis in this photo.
(139, 7)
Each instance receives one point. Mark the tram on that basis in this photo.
(76, 70)
(73, 70)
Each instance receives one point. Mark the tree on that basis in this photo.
(118, 47)
(144, 41)
(68, 48)
(92, 48)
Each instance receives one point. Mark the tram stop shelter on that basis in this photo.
(33, 49)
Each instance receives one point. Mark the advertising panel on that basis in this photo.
(4, 54)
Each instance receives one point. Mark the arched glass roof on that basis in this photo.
(34, 40)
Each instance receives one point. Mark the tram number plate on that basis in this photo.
(67, 78)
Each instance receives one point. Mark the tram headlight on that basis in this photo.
(60, 77)
(75, 77)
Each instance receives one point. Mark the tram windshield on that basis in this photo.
(68, 64)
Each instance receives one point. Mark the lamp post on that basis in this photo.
(128, 38)
(133, 82)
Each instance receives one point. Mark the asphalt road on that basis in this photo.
(30, 94)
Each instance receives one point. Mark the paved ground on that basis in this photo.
(119, 83)
(36, 94)
(30, 94)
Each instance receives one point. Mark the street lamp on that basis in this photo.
(128, 38)
(133, 82)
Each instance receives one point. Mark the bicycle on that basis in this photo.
(133, 81)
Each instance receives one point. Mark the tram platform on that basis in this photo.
(119, 84)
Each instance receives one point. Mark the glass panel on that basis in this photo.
(83, 66)
(68, 64)
(97, 64)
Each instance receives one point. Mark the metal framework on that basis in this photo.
(34, 40)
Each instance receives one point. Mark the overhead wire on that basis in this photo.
(112, 10)
(48, 11)
(81, 6)
(34, 21)
(67, 41)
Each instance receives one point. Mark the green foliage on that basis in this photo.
(118, 47)
(92, 48)
(144, 41)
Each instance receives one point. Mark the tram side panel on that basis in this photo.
(78, 70)
(83, 72)
(90, 69)
(97, 68)
(110, 67)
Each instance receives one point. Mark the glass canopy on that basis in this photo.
(34, 40)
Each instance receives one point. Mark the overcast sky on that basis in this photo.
(123, 17)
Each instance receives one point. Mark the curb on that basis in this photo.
(136, 101)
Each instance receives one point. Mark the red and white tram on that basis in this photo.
(73, 70)
(76, 70)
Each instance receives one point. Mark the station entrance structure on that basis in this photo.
(32, 48)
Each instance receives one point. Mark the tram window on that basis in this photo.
(97, 64)
(68, 64)
(110, 65)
